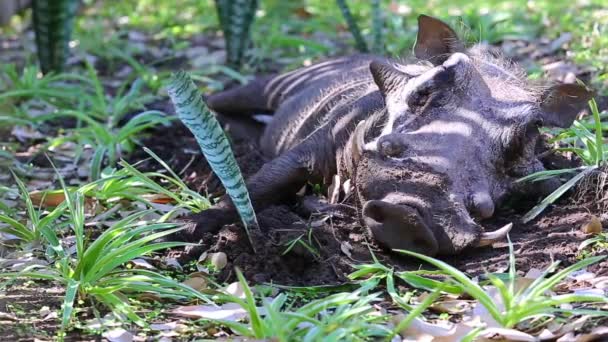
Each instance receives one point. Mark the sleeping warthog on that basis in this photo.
(429, 145)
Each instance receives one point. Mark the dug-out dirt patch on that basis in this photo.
(328, 245)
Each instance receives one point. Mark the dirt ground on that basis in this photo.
(340, 240)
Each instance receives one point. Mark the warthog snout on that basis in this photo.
(399, 226)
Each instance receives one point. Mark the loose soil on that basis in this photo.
(341, 241)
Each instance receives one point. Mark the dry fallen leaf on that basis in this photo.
(197, 283)
(235, 289)
(173, 263)
(54, 198)
(346, 247)
(218, 260)
(594, 226)
(157, 198)
(141, 264)
(502, 334)
(454, 306)
(47, 198)
(597, 334)
(229, 311)
(166, 326)
(346, 187)
(24, 133)
(420, 328)
(149, 298)
(118, 335)
(483, 313)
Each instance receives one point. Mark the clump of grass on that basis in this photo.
(94, 272)
(584, 140)
(56, 89)
(102, 119)
(336, 317)
(37, 224)
(305, 240)
(519, 305)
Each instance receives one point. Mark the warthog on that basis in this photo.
(429, 145)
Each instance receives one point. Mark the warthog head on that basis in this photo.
(460, 127)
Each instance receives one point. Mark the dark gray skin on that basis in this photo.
(430, 146)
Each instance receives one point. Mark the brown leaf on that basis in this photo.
(502, 334)
(158, 198)
(594, 226)
(53, 198)
(196, 283)
(47, 198)
(302, 13)
(141, 264)
(149, 298)
(451, 306)
(420, 330)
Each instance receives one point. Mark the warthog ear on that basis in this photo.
(387, 77)
(561, 104)
(436, 41)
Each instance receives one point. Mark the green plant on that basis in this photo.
(336, 317)
(594, 244)
(53, 23)
(352, 25)
(184, 196)
(307, 244)
(587, 145)
(58, 90)
(377, 27)
(104, 122)
(213, 142)
(133, 185)
(94, 272)
(236, 17)
(30, 231)
(518, 305)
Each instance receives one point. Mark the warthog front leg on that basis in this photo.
(280, 178)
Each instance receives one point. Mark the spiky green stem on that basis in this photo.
(236, 17)
(351, 23)
(214, 144)
(377, 27)
(53, 22)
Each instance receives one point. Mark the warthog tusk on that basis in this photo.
(491, 237)
(357, 142)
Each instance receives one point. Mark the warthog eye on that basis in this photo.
(391, 145)
(523, 138)
(419, 99)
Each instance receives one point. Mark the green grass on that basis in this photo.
(333, 318)
(94, 272)
(37, 223)
(518, 305)
(586, 141)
